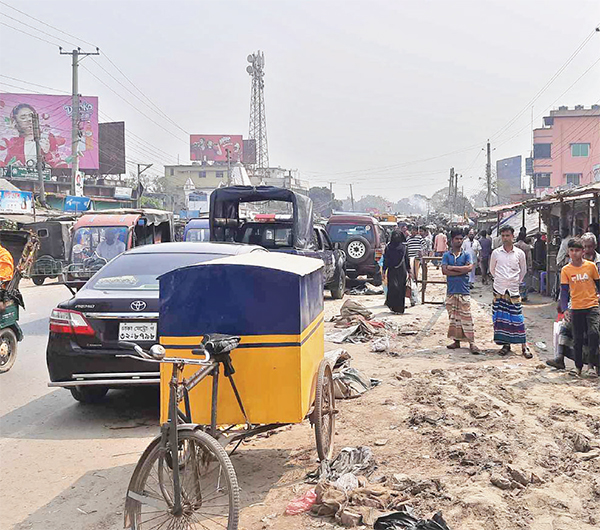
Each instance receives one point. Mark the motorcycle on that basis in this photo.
(23, 246)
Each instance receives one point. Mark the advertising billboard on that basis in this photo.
(76, 203)
(214, 147)
(508, 172)
(112, 148)
(16, 201)
(17, 145)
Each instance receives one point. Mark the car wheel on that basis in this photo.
(337, 292)
(357, 249)
(88, 394)
(38, 280)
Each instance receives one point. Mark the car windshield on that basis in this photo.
(267, 235)
(341, 233)
(104, 241)
(140, 272)
(197, 234)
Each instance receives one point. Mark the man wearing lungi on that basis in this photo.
(508, 266)
(456, 266)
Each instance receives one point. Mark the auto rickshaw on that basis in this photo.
(55, 242)
(242, 354)
(23, 246)
(100, 236)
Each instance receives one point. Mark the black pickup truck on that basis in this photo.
(290, 233)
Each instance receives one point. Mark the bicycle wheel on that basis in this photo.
(210, 494)
(324, 412)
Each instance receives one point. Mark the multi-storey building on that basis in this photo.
(566, 151)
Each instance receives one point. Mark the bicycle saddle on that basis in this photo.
(217, 343)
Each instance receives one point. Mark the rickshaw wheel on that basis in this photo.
(38, 280)
(324, 412)
(8, 349)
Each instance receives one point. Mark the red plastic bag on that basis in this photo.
(302, 504)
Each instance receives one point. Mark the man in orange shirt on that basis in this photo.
(7, 266)
(580, 281)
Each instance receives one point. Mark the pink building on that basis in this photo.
(566, 151)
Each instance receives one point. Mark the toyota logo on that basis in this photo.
(138, 305)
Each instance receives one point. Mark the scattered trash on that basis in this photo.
(366, 289)
(352, 307)
(541, 346)
(355, 460)
(302, 504)
(356, 329)
(407, 521)
(380, 345)
(349, 383)
(380, 443)
(338, 337)
(403, 374)
(347, 482)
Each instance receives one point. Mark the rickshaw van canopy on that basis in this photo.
(298, 265)
(225, 203)
(258, 293)
(124, 217)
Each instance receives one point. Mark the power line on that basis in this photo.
(37, 29)
(152, 105)
(46, 24)
(26, 33)
(548, 83)
(133, 106)
(551, 104)
(139, 146)
(140, 99)
(158, 109)
(62, 92)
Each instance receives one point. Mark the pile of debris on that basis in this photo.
(345, 492)
(355, 324)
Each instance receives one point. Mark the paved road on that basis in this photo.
(61, 461)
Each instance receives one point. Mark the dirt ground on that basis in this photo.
(451, 423)
(443, 428)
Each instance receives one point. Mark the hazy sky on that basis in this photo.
(355, 91)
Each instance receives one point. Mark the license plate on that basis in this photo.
(137, 332)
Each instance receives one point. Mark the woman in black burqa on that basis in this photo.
(396, 267)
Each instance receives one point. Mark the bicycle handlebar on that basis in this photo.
(156, 354)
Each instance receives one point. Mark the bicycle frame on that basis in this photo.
(178, 392)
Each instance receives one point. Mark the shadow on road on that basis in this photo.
(121, 414)
(97, 499)
(37, 328)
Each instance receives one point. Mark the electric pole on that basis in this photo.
(488, 174)
(451, 183)
(228, 166)
(139, 175)
(455, 190)
(75, 110)
(352, 197)
(39, 160)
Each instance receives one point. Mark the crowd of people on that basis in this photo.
(510, 264)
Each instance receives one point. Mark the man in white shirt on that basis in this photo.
(508, 267)
(472, 247)
(111, 246)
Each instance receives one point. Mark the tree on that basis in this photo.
(324, 202)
